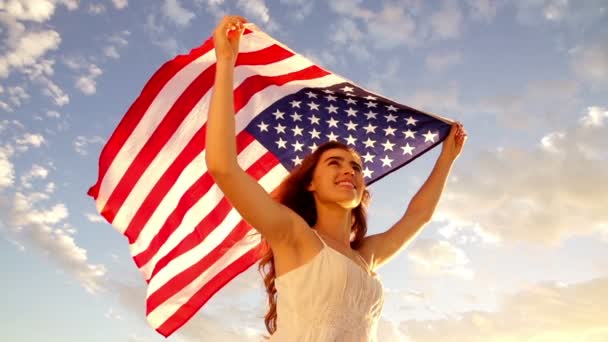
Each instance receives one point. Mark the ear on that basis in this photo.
(310, 187)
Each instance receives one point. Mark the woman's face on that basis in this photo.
(337, 178)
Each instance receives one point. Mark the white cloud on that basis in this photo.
(52, 90)
(120, 4)
(81, 143)
(36, 172)
(255, 9)
(176, 13)
(96, 9)
(437, 100)
(561, 194)
(7, 169)
(483, 9)
(53, 114)
(110, 51)
(39, 10)
(95, 218)
(112, 314)
(43, 228)
(438, 62)
(550, 101)
(87, 83)
(553, 312)
(27, 50)
(28, 139)
(590, 62)
(440, 258)
(302, 8)
(446, 23)
(115, 42)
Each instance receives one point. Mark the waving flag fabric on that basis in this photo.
(153, 185)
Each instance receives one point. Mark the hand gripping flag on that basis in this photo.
(153, 185)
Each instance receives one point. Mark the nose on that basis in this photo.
(349, 170)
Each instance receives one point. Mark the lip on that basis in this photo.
(346, 183)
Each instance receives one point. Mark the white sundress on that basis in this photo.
(330, 298)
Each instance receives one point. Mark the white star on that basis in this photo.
(371, 98)
(314, 134)
(351, 140)
(390, 117)
(369, 142)
(280, 128)
(281, 143)
(351, 126)
(278, 114)
(263, 127)
(411, 121)
(330, 98)
(367, 173)
(351, 112)
(311, 95)
(332, 137)
(389, 131)
(351, 101)
(313, 106)
(407, 149)
(332, 122)
(370, 128)
(296, 131)
(296, 117)
(368, 158)
(391, 108)
(327, 91)
(388, 145)
(386, 161)
(332, 109)
(297, 146)
(429, 136)
(347, 89)
(295, 103)
(297, 160)
(409, 134)
(313, 120)
(370, 115)
(371, 104)
(313, 147)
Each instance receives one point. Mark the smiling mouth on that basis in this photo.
(346, 184)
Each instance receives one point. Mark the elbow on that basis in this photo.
(218, 168)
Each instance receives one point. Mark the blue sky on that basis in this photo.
(518, 247)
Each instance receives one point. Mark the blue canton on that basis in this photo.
(387, 135)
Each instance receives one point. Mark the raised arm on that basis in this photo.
(382, 247)
(270, 218)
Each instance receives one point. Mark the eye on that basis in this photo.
(333, 162)
(357, 168)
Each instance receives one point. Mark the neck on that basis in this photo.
(334, 222)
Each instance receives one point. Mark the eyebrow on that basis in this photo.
(354, 163)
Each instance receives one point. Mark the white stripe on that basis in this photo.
(154, 115)
(164, 311)
(184, 261)
(188, 128)
(196, 213)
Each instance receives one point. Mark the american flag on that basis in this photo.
(153, 184)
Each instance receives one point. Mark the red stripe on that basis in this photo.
(256, 83)
(186, 277)
(215, 217)
(139, 108)
(186, 311)
(197, 190)
(268, 55)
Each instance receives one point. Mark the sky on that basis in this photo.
(516, 251)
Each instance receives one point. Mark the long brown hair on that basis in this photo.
(293, 193)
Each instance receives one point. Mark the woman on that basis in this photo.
(320, 267)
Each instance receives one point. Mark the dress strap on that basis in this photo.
(319, 236)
